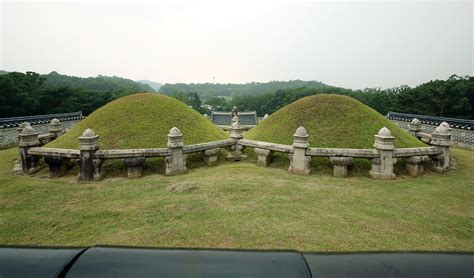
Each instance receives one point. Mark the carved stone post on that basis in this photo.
(57, 166)
(264, 157)
(441, 138)
(89, 144)
(299, 161)
(211, 156)
(20, 128)
(176, 162)
(17, 165)
(382, 167)
(414, 165)
(414, 126)
(236, 133)
(28, 139)
(134, 166)
(340, 165)
(55, 128)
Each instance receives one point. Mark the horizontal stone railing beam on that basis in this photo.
(423, 135)
(266, 146)
(46, 136)
(129, 153)
(423, 151)
(207, 146)
(54, 152)
(333, 152)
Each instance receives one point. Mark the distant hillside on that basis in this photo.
(209, 90)
(3, 72)
(97, 84)
(155, 85)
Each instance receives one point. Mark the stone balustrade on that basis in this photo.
(383, 156)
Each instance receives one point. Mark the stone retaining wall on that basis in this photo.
(461, 137)
(9, 136)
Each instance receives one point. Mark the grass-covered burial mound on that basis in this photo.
(332, 121)
(142, 121)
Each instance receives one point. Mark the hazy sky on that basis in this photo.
(348, 44)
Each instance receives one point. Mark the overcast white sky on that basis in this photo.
(349, 44)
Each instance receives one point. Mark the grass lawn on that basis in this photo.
(240, 205)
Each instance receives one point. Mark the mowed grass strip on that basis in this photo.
(240, 205)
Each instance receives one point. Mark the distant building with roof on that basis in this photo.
(224, 119)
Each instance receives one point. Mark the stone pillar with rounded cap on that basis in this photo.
(56, 128)
(176, 162)
(236, 133)
(20, 128)
(17, 165)
(441, 138)
(264, 157)
(88, 145)
(134, 166)
(299, 161)
(382, 167)
(28, 139)
(414, 126)
(340, 165)
(211, 156)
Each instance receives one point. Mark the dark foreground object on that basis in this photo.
(148, 262)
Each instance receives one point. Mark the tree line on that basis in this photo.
(25, 94)
(453, 97)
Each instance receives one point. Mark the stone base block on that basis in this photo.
(264, 157)
(57, 166)
(299, 171)
(99, 176)
(381, 176)
(17, 169)
(134, 166)
(211, 157)
(414, 166)
(340, 165)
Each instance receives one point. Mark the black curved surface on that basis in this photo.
(152, 262)
(369, 265)
(34, 262)
(123, 262)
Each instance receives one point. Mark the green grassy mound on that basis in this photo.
(142, 121)
(332, 121)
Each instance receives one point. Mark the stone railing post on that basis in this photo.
(20, 128)
(28, 139)
(134, 166)
(382, 167)
(211, 156)
(441, 138)
(55, 128)
(236, 133)
(264, 157)
(299, 161)
(17, 165)
(176, 162)
(414, 126)
(340, 165)
(89, 144)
